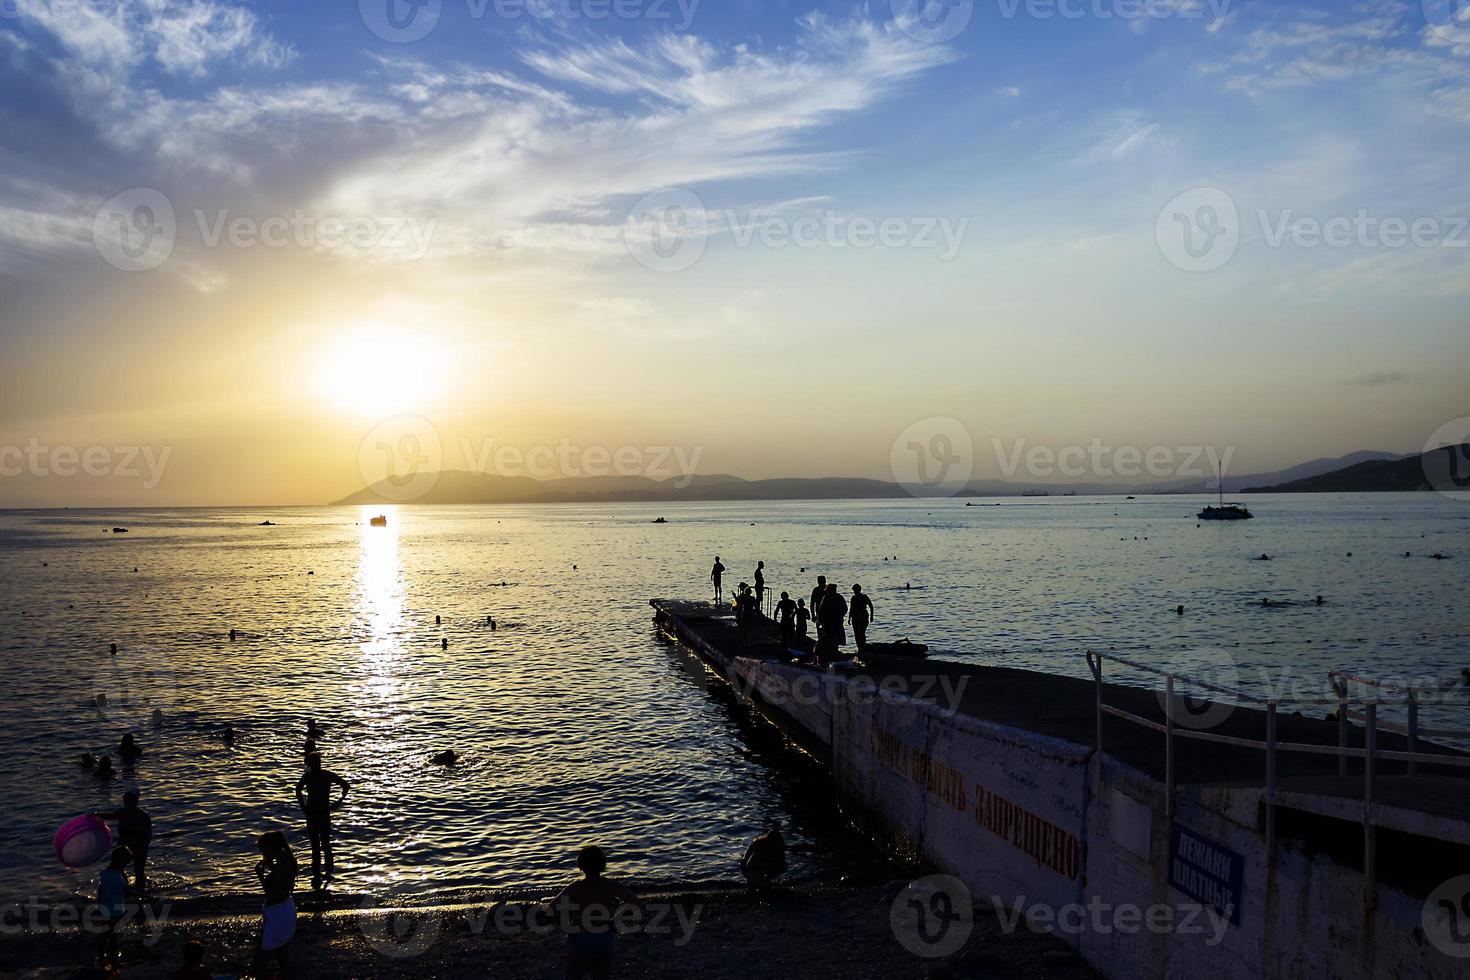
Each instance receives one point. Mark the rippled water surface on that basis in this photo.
(573, 719)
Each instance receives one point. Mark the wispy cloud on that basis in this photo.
(1375, 379)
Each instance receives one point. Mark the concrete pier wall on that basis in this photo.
(1040, 825)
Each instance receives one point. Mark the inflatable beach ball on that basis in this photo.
(82, 841)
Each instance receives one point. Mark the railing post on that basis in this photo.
(1095, 661)
(1169, 745)
(1413, 731)
(1270, 783)
(1342, 735)
(1370, 745)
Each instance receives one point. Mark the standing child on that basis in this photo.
(112, 893)
(277, 874)
(586, 910)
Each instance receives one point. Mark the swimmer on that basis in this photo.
(232, 636)
(1264, 557)
(114, 649)
(87, 761)
(445, 758)
(1320, 600)
(157, 717)
(104, 768)
(444, 644)
(1179, 609)
(437, 621)
(228, 735)
(313, 730)
(128, 749)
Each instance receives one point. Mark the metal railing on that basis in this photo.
(1271, 745)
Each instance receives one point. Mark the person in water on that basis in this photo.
(112, 896)
(586, 910)
(786, 613)
(860, 612)
(276, 872)
(312, 730)
(128, 750)
(765, 859)
(135, 832)
(314, 796)
(760, 583)
(714, 576)
(104, 768)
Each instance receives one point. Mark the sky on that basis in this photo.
(255, 254)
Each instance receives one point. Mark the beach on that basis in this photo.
(815, 933)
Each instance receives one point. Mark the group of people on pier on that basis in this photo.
(828, 609)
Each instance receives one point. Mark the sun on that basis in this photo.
(378, 370)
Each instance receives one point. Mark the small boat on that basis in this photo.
(660, 520)
(1223, 511)
(380, 521)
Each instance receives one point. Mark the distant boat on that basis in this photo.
(660, 520)
(380, 521)
(1224, 511)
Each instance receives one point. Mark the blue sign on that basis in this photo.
(1208, 872)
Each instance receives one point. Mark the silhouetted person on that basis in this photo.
(816, 606)
(585, 911)
(128, 749)
(104, 768)
(746, 611)
(714, 576)
(312, 730)
(112, 896)
(135, 832)
(860, 611)
(803, 614)
(760, 583)
(786, 615)
(276, 872)
(830, 616)
(314, 796)
(765, 859)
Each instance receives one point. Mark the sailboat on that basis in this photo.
(1224, 511)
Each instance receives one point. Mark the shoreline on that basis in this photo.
(813, 931)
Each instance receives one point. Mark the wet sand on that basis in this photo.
(809, 932)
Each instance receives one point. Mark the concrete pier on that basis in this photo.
(994, 776)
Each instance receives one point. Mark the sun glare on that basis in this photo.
(377, 370)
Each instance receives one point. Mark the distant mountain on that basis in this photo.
(1301, 471)
(1441, 469)
(461, 487)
